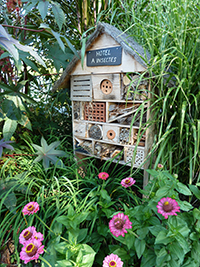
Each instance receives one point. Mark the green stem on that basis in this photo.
(49, 228)
(44, 224)
(45, 261)
(135, 235)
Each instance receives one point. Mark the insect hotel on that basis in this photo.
(109, 95)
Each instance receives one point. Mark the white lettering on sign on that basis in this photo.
(104, 60)
(104, 53)
(102, 57)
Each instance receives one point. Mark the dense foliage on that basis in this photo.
(76, 206)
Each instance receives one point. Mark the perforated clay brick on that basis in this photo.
(95, 112)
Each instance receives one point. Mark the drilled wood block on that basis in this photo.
(106, 86)
(111, 133)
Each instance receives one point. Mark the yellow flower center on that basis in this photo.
(27, 235)
(127, 181)
(31, 250)
(112, 264)
(103, 175)
(30, 207)
(166, 203)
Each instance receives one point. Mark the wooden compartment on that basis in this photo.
(81, 88)
(80, 129)
(130, 155)
(106, 86)
(111, 133)
(95, 111)
(126, 136)
(134, 87)
(122, 113)
(105, 151)
(95, 131)
(83, 146)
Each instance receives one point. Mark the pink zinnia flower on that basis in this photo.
(103, 175)
(168, 206)
(119, 223)
(31, 251)
(127, 182)
(160, 166)
(29, 234)
(30, 208)
(112, 260)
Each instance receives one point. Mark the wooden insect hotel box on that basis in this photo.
(109, 95)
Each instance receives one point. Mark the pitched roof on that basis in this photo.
(127, 43)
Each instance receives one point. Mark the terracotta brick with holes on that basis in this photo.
(95, 111)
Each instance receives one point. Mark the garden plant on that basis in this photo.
(55, 211)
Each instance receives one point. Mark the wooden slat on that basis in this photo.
(82, 89)
(76, 98)
(81, 77)
(83, 93)
(81, 83)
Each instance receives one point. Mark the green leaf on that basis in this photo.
(154, 221)
(142, 232)
(162, 257)
(122, 253)
(61, 247)
(64, 263)
(82, 234)
(196, 213)
(177, 250)
(10, 109)
(85, 256)
(195, 190)
(59, 14)
(139, 247)
(70, 212)
(10, 48)
(29, 50)
(155, 230)
(57, 228)
(108, 212)
(47, 153)
(183, 189)
(63, 220)
(149, 259)
(103, 229)
(162, 238)
(30, 63)
(43, 8)
(10, 201)
(163, 191)
(25, 122)
(50, 255)
(9, 128)
(185, 206)
(173, 263)
(81, 217)
(104, 195)
(182, 242)
(130, 240)
(153, 173)
(60, 42)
